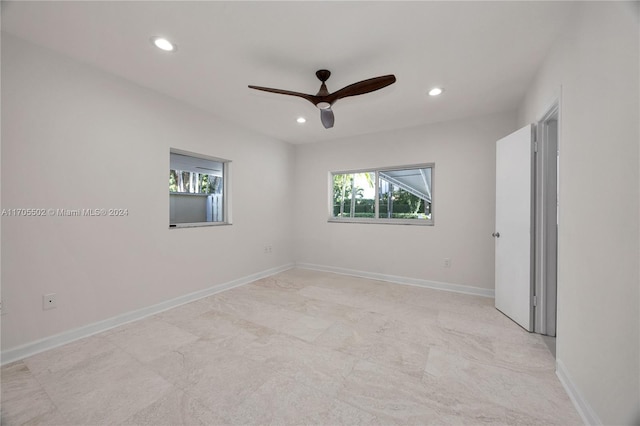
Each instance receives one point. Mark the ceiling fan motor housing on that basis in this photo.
(323, 75)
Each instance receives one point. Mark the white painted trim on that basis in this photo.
(589, 416)
(63, 338)
(456, 288)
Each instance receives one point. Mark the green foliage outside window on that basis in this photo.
(194, 183)
(348, 198)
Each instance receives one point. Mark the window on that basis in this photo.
(197, 190)
(401, 195)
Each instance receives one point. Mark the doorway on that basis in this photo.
(526, 233)
(546, 223)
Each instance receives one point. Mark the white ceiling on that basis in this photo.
(483, 53)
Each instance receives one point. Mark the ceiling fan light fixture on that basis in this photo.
(163, 44)
(323, 105)
(301, 120)
(435, 91)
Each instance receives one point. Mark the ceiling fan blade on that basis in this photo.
(362, 87)
(311, 98)
(327, 118)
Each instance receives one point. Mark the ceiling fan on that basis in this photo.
(324, 100)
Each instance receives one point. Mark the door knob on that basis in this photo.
(496, 234)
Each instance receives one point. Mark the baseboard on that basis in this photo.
(54, 341)
(457, 288)
(589, 417)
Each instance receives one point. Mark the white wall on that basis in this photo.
(596, 63)
(464, 203)
(74, 137)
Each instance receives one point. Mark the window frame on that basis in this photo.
(226, 196)
(377, 219)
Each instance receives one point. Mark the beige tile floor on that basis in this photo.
(301, 347)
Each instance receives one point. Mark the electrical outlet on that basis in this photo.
(268, 249)
(49, 301)
(446, 262)
(3, 307)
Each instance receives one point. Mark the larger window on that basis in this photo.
(401, 195)
(197, 190)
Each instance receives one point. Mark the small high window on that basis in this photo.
(400, 195)
(197, 189)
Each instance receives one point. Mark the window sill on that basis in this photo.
(413, 222)
(197, 225)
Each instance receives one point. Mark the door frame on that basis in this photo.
(545, 263)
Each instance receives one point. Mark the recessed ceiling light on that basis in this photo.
(435, 91)
(301, 120)
(164, 44)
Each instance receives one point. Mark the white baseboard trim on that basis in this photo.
(63, 338)
(457, 288)
(589, 417)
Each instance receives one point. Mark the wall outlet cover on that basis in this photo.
(49, 301)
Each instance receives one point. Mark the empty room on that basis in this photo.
(331, 213)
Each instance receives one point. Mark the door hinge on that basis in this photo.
(535, 300)
(535, 146)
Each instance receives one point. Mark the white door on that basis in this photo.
(513, 226)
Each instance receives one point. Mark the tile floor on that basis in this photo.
(301, 347)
